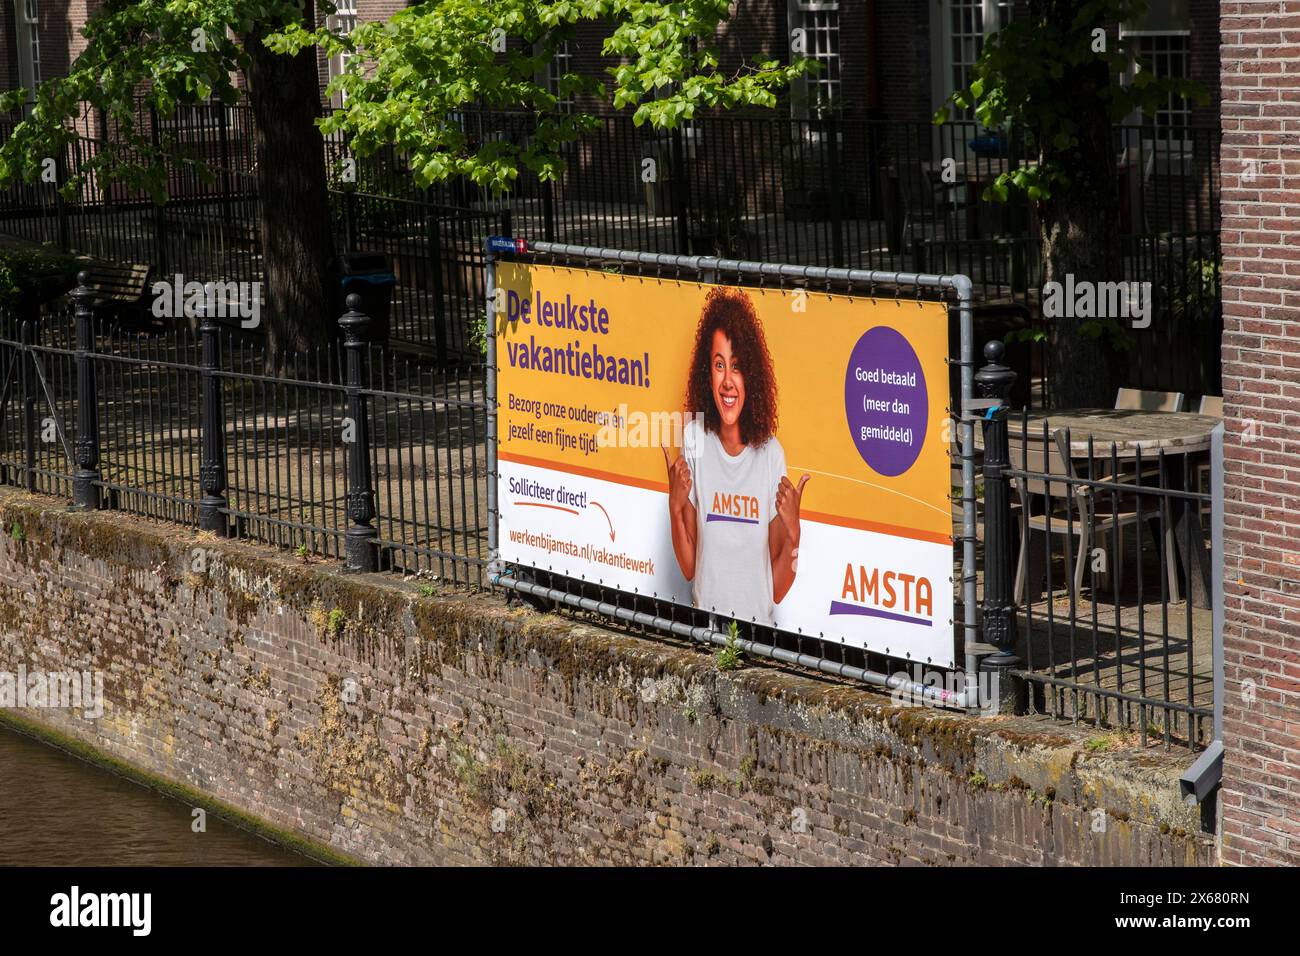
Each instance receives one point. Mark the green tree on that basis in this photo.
(1057, 74)
(165, 53)
(406, 80)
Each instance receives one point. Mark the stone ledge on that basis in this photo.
(1048, 760)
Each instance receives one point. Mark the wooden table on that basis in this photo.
(1130, 432)
(1174, 433)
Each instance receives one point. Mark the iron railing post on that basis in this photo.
(548, 210)
(161, 259)
(434, 218)
(836, 192)
(85, 479)
(27, 336)
(359, 543)
(60, 204)
(681, 201)
(995, 381)
(350, 220)
(212, 424)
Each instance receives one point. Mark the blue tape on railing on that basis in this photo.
(506, 244)
(371, 278)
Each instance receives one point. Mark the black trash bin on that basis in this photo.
(370, 275)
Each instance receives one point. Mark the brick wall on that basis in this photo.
(1261, 378)
(485, 733)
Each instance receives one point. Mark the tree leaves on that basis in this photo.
(157, 53)
(1032, 74)
(411, 77)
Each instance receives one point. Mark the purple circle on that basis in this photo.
(885, 401)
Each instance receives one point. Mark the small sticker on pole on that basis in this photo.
(507, 244)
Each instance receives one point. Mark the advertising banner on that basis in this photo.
(777, 456)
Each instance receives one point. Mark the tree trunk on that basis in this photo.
(297, 237)
(1079, 228)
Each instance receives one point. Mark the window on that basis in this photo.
(1161, 45)
(819, 21)
(207, 113)
(29, 44)
(964, 26)
(1166, 57)
(343, 22)
(561, 63)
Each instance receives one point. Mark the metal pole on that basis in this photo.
(995, 381)
(212, 467)
(359, 543)
(85, 480)
(1203, 777)
(911, 690)
(772, 270)
(962, 285)
(490, 385)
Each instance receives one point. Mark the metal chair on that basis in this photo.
(1074, 512)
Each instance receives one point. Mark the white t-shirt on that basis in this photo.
(735, 500)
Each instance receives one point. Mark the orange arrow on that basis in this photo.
(607, 518)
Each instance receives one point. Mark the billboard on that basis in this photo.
(776, 456)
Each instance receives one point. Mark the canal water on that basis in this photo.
(57, 810)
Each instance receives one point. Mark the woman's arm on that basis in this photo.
(681, 514)
(783, 537)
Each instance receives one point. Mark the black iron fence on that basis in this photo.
(1094, 570)
(860, 193)
(1097, 588)
(187, 427)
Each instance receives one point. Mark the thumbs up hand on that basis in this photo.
(788, 499)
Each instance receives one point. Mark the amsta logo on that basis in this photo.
(893, 595)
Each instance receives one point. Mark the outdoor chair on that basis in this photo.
(1140, 400)
(924, 199)
(1079, 514)
(1136, 399)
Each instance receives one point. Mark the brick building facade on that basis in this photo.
(894, 59)
(1261, 378)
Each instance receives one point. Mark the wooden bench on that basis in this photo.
(122, 295)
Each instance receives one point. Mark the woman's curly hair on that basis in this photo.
(730, 312)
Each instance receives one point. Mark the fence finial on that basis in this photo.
(353, 322)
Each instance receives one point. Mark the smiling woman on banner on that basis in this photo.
(733, 511)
